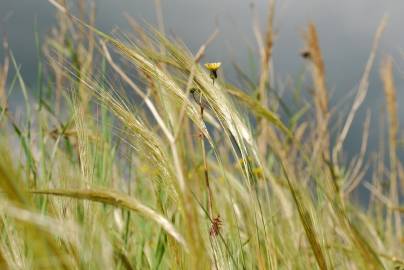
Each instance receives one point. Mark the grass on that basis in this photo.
(117, 166)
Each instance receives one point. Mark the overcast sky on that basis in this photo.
(345, 29)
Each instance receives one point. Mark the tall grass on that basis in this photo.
(119, 167)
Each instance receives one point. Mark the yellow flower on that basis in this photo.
(213, 67)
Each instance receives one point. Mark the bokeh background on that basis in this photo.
(345, 27)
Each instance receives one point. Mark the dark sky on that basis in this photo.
(345, 29)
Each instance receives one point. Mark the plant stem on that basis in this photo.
(205, 165)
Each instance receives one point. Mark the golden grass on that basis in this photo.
(320, 89)
(124, 169)
(386, 74)
(3, 77)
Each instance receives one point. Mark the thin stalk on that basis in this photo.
(205, 166)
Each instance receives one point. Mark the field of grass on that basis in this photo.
(132, 155)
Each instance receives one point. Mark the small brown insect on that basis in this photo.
(216, 226)
(305, 54)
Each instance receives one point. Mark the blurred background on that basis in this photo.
(345, 28)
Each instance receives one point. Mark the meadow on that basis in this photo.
(134, 153)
